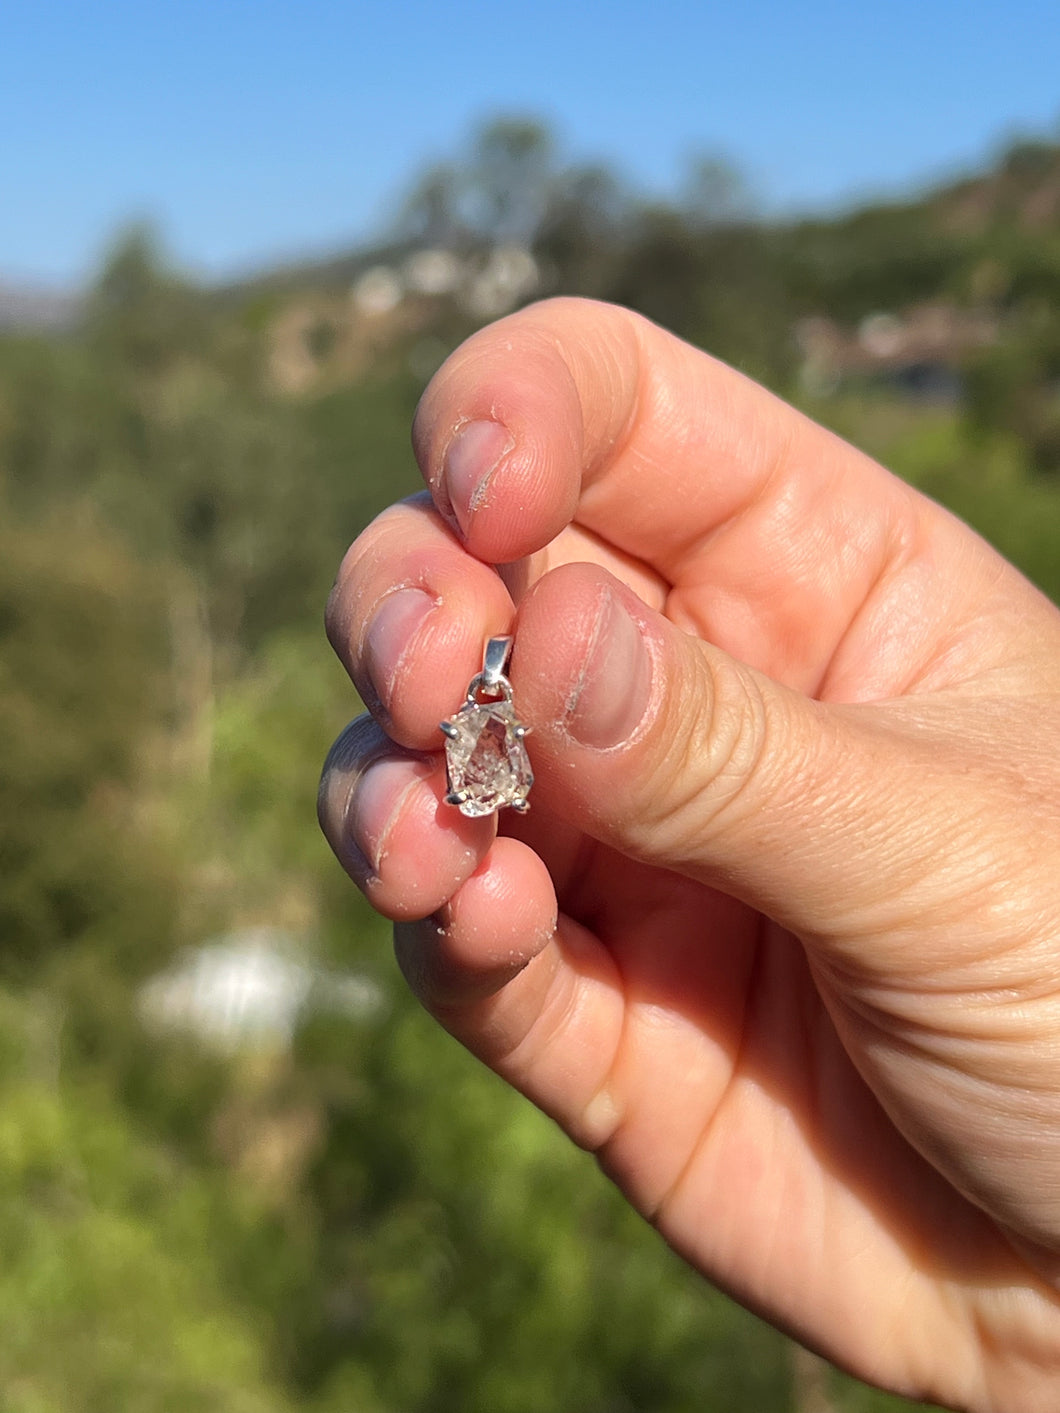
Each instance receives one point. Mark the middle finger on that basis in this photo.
(408, 617)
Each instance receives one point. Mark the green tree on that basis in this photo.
(83, 666)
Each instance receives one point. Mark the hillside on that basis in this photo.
(34, 307)
(950, 296)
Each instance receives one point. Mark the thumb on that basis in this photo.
(674, 753)
(902, 841)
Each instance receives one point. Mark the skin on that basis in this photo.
(778, 940)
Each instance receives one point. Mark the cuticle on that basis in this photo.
(481, 490)
(445, 505)
(370, 616)
(354, 853)
(436, 602)
(604, 603)
(375, 864)
(651, 647)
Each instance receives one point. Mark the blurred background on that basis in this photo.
(239, 1170)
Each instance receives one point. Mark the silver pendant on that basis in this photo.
(485, 756)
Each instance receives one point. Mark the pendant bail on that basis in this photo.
(494, 661)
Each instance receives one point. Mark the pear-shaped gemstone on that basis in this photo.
(486, 760)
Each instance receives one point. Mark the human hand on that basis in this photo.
(780, 937)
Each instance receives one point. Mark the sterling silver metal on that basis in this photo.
(485, 758)
(494, 661)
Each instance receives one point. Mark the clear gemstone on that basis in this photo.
(485, 759)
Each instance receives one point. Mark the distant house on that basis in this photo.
(917, 354)
(323, 337)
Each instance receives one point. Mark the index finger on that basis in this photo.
(778, 541)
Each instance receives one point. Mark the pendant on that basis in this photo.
(485, 757)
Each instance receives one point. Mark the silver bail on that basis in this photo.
(494, 661)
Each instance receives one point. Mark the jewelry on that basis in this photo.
(485, 755)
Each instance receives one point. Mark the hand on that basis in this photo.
(780, 937)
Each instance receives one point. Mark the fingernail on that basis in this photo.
(389, 635)
(470, 461)
(375, 803)
(611, 695)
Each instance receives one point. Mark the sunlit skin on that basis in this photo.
(779, 939)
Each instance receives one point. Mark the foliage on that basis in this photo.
(75, 869)
(111, 1293)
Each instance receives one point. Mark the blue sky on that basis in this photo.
(252, 130)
